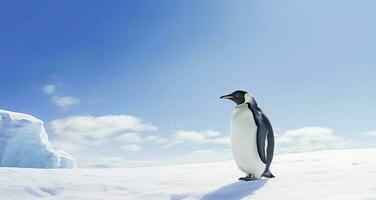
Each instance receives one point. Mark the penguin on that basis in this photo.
(252, 137)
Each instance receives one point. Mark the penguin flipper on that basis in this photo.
(261, 139)
(265, 134)
(261, 130)
(270, 147)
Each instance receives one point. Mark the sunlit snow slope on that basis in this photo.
(339, 175)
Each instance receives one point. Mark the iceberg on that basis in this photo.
(24, 143)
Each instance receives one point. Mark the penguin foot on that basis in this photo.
(268, 174)
(250, 177)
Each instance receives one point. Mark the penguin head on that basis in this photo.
(239, 97)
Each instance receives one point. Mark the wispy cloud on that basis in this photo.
(78, 133)
(63, 102)
(90, 137)
(81, 127)
(369, 134)
(49, 89)
(161, 140)
(132, 147)
(137, 138)
(197, 137)
(308, 139)
(130, 138)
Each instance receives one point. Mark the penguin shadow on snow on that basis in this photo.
(235, 191)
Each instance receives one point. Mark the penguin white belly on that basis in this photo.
(244, 142)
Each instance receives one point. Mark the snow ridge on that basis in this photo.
(326, 175)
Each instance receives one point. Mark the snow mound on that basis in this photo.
(24, 143)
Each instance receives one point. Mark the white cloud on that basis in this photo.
(155, 138)
(221, 140)
(132, 147)
(308, 139)
(130, 138)
(197, 137)
(137, 138)
(190, 136)
(84, 134)
(152, 138)
(65, 101)
(161, 140)
(81, 127)
(49, 89)
(210, 133)
(370, 134)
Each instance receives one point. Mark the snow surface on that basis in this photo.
(325, 175)
(24, 143)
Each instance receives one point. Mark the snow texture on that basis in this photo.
(325, 175)
(24, 143)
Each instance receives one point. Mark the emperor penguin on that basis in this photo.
(252, 137)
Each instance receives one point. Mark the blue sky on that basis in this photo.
(308, 64)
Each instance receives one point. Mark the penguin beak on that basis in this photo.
(226, 97)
